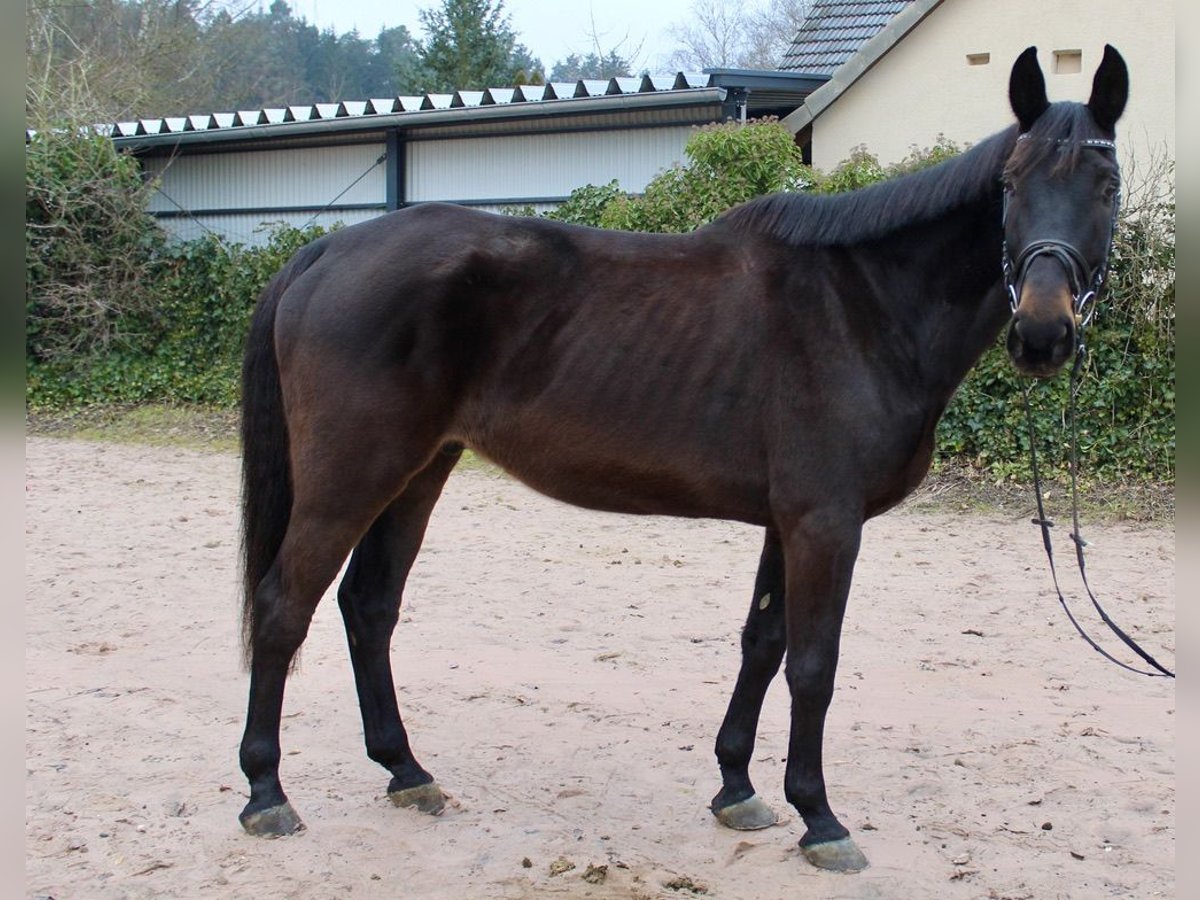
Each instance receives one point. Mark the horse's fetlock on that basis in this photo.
(258, 757)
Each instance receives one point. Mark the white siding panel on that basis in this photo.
(253, 229)
(539, 166)
(279, 178)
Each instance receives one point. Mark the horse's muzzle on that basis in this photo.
(1040, 345)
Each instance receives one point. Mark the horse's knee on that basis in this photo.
(763, 644)
(810, 680)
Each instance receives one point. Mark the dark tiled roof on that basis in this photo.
(835, 30)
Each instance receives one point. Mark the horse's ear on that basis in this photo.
(1110, 90)
(1027, 89)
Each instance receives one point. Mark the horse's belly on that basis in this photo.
(613, 471)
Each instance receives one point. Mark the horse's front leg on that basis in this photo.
(763, 642)
(819, 553)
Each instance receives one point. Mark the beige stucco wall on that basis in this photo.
(924, 86)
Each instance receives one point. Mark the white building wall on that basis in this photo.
(271, 178)
(521, 168)
(924, 86)
(203, 192)
(253, 229)
(237, 194)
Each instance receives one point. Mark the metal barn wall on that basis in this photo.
(541, 168)
(254, 228)
(324, 163)
(239, 194)
(234, 193)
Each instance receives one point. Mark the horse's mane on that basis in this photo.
(874, 212)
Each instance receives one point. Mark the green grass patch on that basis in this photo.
(195, 427)
(155, 424)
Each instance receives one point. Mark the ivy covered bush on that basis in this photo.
(184, 347)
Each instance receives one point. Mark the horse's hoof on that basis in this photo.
(274, 822)
(750, 814)
(427, 798)
(836, 856)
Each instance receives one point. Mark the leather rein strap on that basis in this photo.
(1077, 538)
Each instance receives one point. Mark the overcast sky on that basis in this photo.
(551, 29)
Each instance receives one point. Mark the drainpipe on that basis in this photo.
(395, 170)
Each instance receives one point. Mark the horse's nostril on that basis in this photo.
(1040, 334)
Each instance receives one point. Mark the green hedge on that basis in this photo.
(186, 345)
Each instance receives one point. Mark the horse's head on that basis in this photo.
(1062, 187)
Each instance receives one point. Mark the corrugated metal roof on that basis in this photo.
(399, 104)
(835, 30)
(687, 87)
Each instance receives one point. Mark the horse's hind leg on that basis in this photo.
(369, 597)
(336, 498)
(764, 640)
(311, 554)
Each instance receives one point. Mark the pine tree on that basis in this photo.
(594, 65)
(470, 44)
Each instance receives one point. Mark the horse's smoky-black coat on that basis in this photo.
(784, 366)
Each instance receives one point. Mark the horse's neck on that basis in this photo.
(958, 307)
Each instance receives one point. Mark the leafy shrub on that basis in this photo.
(586, 205)
(727, 164)
(89, 245)
(189, 345)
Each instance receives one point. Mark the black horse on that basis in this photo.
(784, 366)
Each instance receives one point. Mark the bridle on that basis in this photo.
(1085, 282)
(1085, 285)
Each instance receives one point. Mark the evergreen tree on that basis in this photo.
(470, 44)
(594, 65)
(396, 66)
(526, 68)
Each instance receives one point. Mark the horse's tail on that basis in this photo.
(266, 467)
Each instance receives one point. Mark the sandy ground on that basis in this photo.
(563, 674)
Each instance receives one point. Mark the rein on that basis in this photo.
(1085, 286)
(1076, 537)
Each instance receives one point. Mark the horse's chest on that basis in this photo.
(900, 465)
